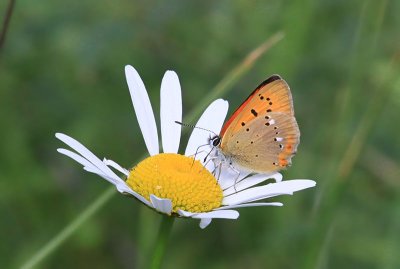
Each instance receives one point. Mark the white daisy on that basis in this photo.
(175, 184)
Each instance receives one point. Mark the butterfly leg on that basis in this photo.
(194, 155)
(197, 152)
(219, 171)
(217, 167)
(208, 161)
(237, 175)
(208, 155)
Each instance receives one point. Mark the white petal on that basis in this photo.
(212, 119)
(251, 181)
(78, 158)
(229, 177)
(101, 174)
(124, 188)
(92, 168)
(116, 166)
(204, 223)
(88, 155)
(270, 190)
(184, 213)
(278, 177)
(218, 214)
(162, 205)
(143, 110)
(171, 111)
(251, 205)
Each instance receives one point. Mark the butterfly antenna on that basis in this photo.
(194, 127)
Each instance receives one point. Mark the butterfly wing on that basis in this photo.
(265, 145)
(262, 134)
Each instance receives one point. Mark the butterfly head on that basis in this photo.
(215, 141)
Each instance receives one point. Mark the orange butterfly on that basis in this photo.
(262, 134)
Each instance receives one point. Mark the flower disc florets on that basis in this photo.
(184, 181)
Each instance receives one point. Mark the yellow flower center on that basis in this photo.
(187, 183)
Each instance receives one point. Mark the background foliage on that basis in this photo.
(62, 70)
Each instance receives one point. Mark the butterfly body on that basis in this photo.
(262, 135)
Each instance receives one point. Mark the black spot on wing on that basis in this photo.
(265, 82)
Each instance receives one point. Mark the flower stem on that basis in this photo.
(234, 75)
(6, 22)
(54, 243)
(162, 240)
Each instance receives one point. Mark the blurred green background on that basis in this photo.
(61, 70)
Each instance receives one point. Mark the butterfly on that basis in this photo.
(262, 135)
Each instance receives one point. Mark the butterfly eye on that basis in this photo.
(216, 141)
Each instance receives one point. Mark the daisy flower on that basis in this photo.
(175, 184)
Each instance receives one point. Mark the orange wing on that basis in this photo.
(272, 95)
(262, 134)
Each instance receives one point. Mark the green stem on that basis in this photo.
(70, 229)
(6, 22)
(235, 74)
(162, 240)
